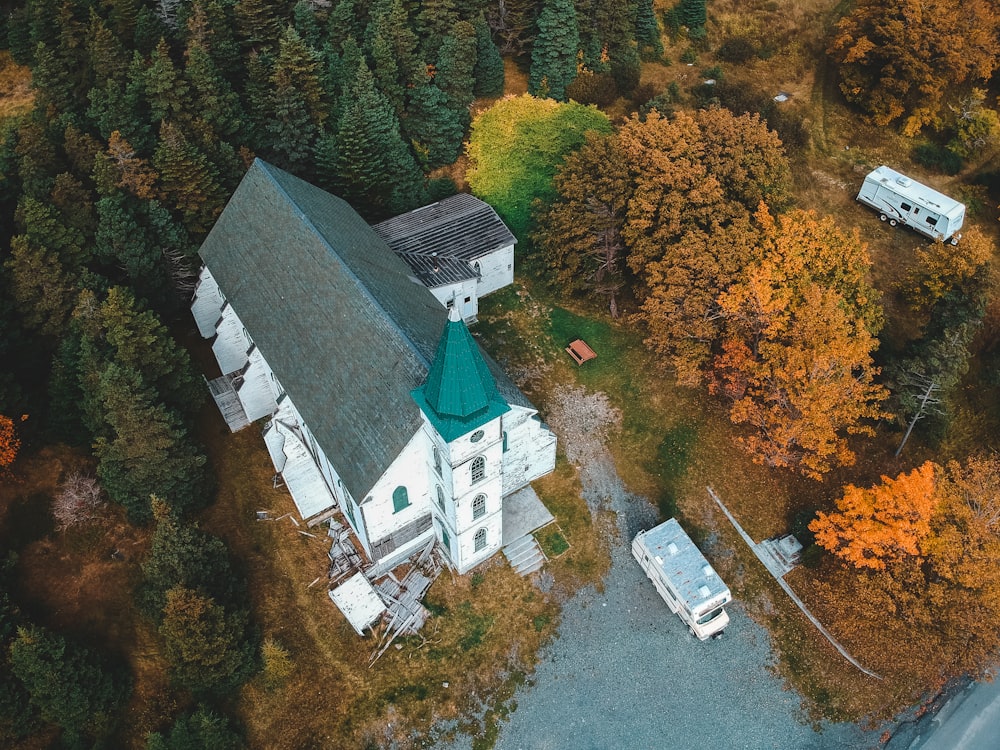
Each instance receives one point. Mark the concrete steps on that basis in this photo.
(524, 555)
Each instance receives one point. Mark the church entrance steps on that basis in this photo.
(524, 555)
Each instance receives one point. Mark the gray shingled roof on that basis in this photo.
(346, 328)
(448, 236)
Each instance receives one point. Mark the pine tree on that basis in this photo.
(342, 23)
(291, 133)
(553, 56)
(378, 174)
(306, 24)
(213, 98)
(106, 54)
(201, 729)
(489, 69)
(299, 64)
(147, 451)
(455, 69)
(189, 180)
(166, 90)
(258, 23)
(434, 129)
(123, 243)
(647, 30)
(435, 21)
(69, 684)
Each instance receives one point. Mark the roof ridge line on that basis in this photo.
(350, 271)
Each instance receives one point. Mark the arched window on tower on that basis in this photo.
(479, 506)
(478, 469)
(440, 496)
(400, 499)
(437, 459)
(480, 540)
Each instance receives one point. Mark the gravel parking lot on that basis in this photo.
(625, 673)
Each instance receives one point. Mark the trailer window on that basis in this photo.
(905, 206)
(932, 221)
(710, 616)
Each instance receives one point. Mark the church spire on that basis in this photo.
(459, 394)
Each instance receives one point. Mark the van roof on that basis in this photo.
(684, 564)
(923, 196)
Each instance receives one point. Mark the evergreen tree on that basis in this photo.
(208, 648)
(69, 684)
(259, 23)
(298, 64)
(553, 57)
(342, 23)
(435, 21)
(165, 87)
(41, 285)
(647, 30)
(291, 133)
(306, 24)
(189, 179)
(212, 97)
(434, 129)
(146, 450)
(455, 69)
(195, 731)
(105, 52)
(379, 176)
(181, 555)
(489, 69)
(123, 107)
(125, 244)
(692, 14)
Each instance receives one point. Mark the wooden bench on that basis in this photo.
(580, 351)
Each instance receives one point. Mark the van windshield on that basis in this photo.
(710, 616)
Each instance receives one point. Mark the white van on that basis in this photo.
(684, 578)
(900, 200)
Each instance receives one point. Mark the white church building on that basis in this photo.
(375, 399)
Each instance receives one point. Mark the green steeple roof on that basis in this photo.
(460, 393)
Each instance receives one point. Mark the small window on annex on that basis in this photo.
(478, 469)
(479, 506)
(480, 540)
(400, 499)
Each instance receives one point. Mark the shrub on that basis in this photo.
(599, 89)
(938, 158)
(736, 49)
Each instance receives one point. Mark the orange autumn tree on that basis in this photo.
(882, 524)
(9, 442)
(797, 333)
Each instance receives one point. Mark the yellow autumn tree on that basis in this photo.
(898, 58)
(883, 524)
(942, 266)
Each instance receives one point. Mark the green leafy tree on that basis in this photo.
(208, 648)
(553, 55)
(69, 684)
(378, 173)
(515, 147)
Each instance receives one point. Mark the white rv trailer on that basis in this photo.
(900, 200)
(684, 578)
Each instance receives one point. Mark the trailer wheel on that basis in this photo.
(892, 222)
(882, 217)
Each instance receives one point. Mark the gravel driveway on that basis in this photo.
(624, 673)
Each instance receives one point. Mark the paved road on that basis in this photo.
(973, 725)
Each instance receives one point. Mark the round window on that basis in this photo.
(477, 436)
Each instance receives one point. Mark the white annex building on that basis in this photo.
(458, 248)
(376, 400)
